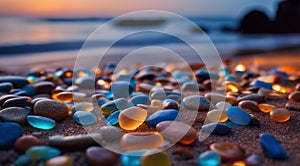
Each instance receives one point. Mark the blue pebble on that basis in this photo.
(84, 118)
(101, 101)
(23, 160)
(238, 116)
(140, 99)
(261, 84)
(272, 147)
(113, 118)
(230, 78)
(209, 158)
(121, 89)
(42, 152)
(132, 158)
(29, 89)
(41, 122)
(9, 133)
(162, 115)
(215, 128)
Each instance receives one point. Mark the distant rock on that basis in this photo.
(255, 22)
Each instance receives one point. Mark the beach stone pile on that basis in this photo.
(140, 112)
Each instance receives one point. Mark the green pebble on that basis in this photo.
(42, 152)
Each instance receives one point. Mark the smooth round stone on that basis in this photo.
(293, 106)
(140, 99)
(266, 108)
(272, 147)
(82, 106)
(295, 96)
(216, 115)
(121, 89)
(6, 97)
(111, 133)
(131, 118)
(162, 115)
(51, 109)
(44, 87)
(25, 142)
(17, 102)
(228, 151)
(42, 152)
(115, 105)
(6, 87)
(215, 128)
(23, 160)
(141, 140)
(132, 157)
(41, 122)
(280, 115)
(177, 131)
(249, 105)
(223, 105)
(238, 116)
(60, 161)
(209, 158)
(231, 100)
(196, 103)
(254, 160)
(113, 119)
(96, 156)
(170, 104)
(215, 97)
(17, 81)
(232, 86)
(14, 114)
(160, 158)
(9, 133)
(84, 118)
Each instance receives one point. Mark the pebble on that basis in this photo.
(63, 96)
(14, 114)
(6, 87)
(110, 134)
(196, 103)
(158, 95)
(6, 97)
(228, 151)
(60, 161)
(113, 119)
(85, 82)
(261, 84)
(141, 140)
(238, 116)
(17, 81)
(189, 87)
(143, 87)
(157, 103)
(131, 118)
(295, 96)
(177, 131)
(217, 115)
(93, 157)
(162, 115)
(140, 99)
(297, 87)
(215, 97)
(23, 160)
(254, 160)
(17, 102)
(82, 106)
(231, 100)
(170, 104)
(264, 92)
(280, 114)
(266, 108)
(44, 87)
(115, 105)
(293, 106)
(42, 152)
(121, 89)
(272, 147)
(160, 158)
(223, 105)
(51, 109)
(41, 122)
(132, 157)
(215, 128)
(232, 86)
(9, 133)
(209, 158)
(84, 118)
(253, 97)
(249, 105)
(25, 142)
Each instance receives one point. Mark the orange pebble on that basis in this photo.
(266, 107)
(280, 115)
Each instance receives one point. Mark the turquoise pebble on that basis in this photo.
(115, 105)
(238, 116)
(209, 158)
(42, 152)
(113, 118)
(261, 84)
(162, 115)
(215, 128)
(140, 99)
(121, 89)
(23, 160)
(272, 147)
(109, 95)
(84, 118)
(230, 78)
(132, 158)
(101, 101)
(41, 122)
(9, 133)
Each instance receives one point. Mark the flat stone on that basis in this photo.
(272, 147)
(196, 103)
(9, 133)
(252, 97)
(42, 152)
(106, 158)
(17, 102)
(162, 115)
(266, 108)
(84, 118)
(209, 158)
(261, 84)
(215, 128)
(25, 142)
(216, 115)
(6, 87)
(131, 118)
(293, 106)
(44, 87)
(238, 116)
(249, 105)
(228, 151)
(295, 96)
(60, 161)
(141, 140)
(17, 81)
(14, 114)
(51, 109)
(41, 122)
(6, 97)
(140, 99)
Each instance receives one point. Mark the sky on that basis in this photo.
(106, 8)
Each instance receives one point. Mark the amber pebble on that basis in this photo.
(141, 140)
(228, 151)
(217, 115)
(215, 97)
(17, 102)
(83, 106)
(231, 100)
(157, 159)
(63, 96)
(295, 96)
(25, 142)
(131, 118)
(266, 107)
(143, 87)
(232, 86)
(280, 114)
(60, 161)
(249, 105)
(177, 131)
(239, 163)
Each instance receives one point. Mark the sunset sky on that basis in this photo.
(91, 8)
